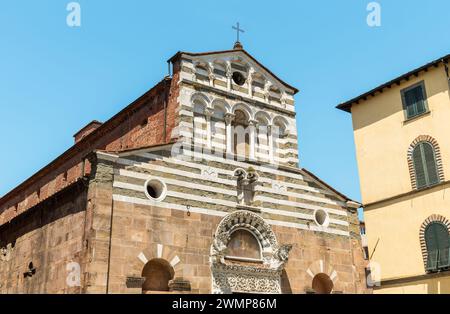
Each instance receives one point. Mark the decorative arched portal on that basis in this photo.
(254, 275)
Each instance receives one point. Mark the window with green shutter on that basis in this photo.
(438, 244)
(425, 165)
(414, 100)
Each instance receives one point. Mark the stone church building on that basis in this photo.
(194, 187)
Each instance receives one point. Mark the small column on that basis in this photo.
(208, 114)
(252, 127)
(229, 75)
(269, 135)
(229, 117)
(283, 99)
(211, 73)
(267, 86)
(250, 81)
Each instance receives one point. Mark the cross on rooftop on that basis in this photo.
(238, 30)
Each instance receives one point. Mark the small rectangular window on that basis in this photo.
(414, 100)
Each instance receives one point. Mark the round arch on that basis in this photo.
(244, 108)
(221, 104)
(157, 273)
(423, 245)
(262, 116)
(200, 98)
(437, 151)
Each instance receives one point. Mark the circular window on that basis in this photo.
(155, 189)
(321, 217)
(238, 78)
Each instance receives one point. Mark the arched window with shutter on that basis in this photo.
(424, 162)
(425, 165)
(437, 245)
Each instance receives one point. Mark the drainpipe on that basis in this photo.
(165, 111)
(166, 96)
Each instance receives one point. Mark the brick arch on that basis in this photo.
(437, 154)
(423, 246)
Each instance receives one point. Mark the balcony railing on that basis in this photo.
(438, 260)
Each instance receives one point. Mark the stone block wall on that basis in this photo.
(49, 236)
(186, 241)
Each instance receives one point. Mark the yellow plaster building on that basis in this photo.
(401, 132)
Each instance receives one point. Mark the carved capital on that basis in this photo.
(209, 112)
(6, 252)
(229, 118)
(253, 123)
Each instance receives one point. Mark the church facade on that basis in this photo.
(195, 187)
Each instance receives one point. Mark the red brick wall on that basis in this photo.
(50, 236)
(127, 132)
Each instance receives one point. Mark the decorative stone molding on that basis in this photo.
(210, 172)
(283, 99)
(211, 75)
(279, 186)
(179, 284)
(133, 282)
(6, 252)
(423, 245)
(267, 87)
(437, 154)
(229, 118)
(229, 279)
(262, 278)
(246, 183)
(209, 112)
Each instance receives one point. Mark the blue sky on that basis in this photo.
(54, 79)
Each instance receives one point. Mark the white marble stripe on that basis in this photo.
(186, 77)
(219, 190)
(207, 188)
(127, 199)
(204, 133)
(171, 171)
(231, 173)
(302, 226)
(299, 205)
(283, 141)
(143, 258)
(277, 159)
(184, 112)
(140, 201)
(297, 195)
(174, 261)
(219, 145)
(185, 124)
(244, 165)
(159, 250)
(140, 188)
(222, 138)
